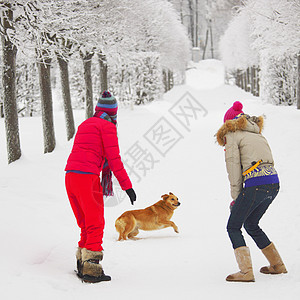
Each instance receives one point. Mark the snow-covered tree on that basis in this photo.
(236, 44)
(146, 36)
(9, 14)
(271, 31)
(277, 38)
(9, 52)
(165, 36)
(136, 33)
(206, 21)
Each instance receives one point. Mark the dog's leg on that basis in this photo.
(133, 233)
(130, 227)
(175, 227)
(170, 224)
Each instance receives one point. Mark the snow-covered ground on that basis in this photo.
(38, 231)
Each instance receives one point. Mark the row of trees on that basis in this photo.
(248, 80)
(206, 21)
(265, 36)
(138, 45)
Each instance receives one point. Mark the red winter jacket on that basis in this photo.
(95, 140)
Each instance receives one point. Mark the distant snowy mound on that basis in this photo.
(207, 74)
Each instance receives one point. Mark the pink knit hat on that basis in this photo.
(233, 111)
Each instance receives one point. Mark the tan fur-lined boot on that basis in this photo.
(242, 255)
(276, 264)
(79, 261)
(91, 268)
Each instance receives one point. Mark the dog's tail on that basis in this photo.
(120, 225)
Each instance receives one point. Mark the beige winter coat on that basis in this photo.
(244, 144)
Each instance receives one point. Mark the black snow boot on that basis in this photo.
(92, 270)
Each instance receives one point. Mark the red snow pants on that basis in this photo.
(86, 199)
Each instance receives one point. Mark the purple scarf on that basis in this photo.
(106, 178)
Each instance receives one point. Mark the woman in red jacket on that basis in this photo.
(95, 149)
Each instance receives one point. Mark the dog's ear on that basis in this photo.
(165, 196)
(171, 194)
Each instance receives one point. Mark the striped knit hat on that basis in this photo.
(107, 103)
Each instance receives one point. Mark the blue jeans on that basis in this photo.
(249, 207)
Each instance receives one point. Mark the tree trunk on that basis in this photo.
(87, 66)
(280, 92)
(257, 82)
(211, 39)
(245, 80)
(192, 25)
(64, 74)
(165, 80)
(242, 79)
(205, 45)
(9, 92)
(170, 80)
(44, 65)
(298, 86)
(252, 80)
(196, 24)
(1, 110)
(103, 72)
(248, 89)
(238, 78)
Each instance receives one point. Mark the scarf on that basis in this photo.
(106, 178)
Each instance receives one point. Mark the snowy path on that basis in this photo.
(38, 232)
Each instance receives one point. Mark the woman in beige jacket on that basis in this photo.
(254, 185)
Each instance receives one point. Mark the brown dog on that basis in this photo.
(156, 216)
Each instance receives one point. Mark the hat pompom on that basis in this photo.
(106, 94)
(237, 106)
(233, 111)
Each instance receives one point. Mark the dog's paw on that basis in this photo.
(176, 230)
(134, 238)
